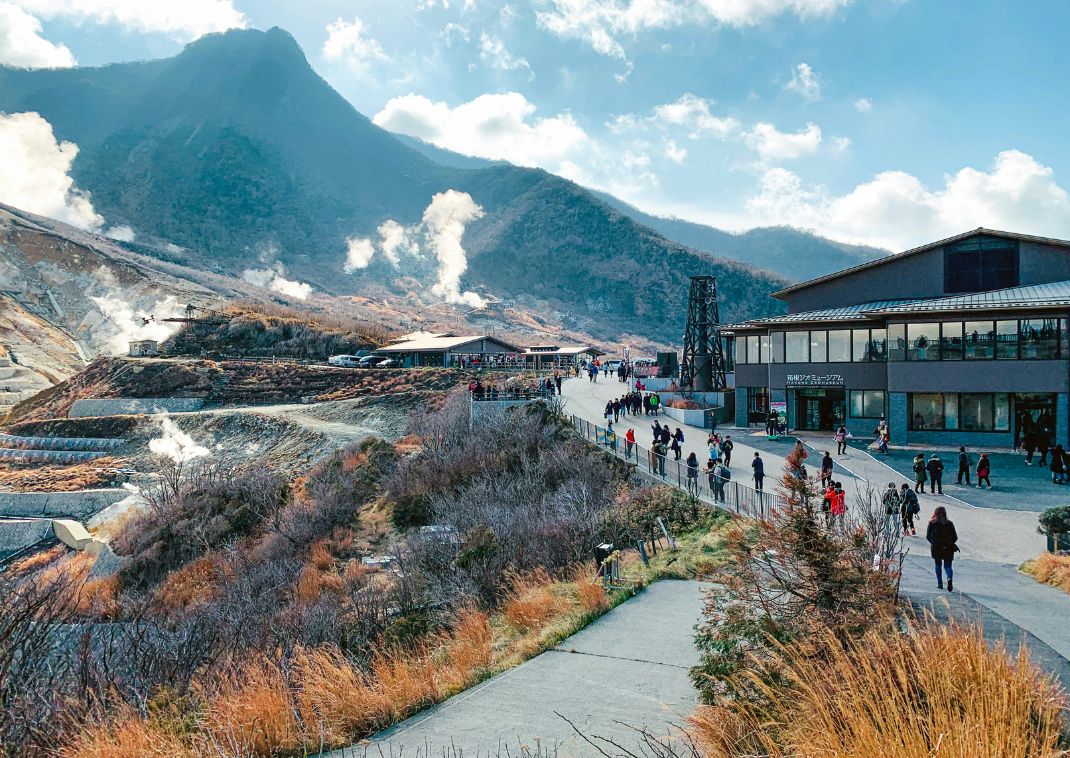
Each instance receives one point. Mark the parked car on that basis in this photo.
(387, 363)
(368, 361)
(345, 361)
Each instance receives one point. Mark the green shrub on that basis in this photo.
(1055, 520)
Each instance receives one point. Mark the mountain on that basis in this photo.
(238, 151)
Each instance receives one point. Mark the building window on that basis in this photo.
(764, 346)
(1064, 337)
(980, 341)
(867, 403)
(728, 345)
(951, 341)
(897, 342)
(753, 354)
(757, 405)
(980, 264)
(878, 345)
(777, 342)
(969, 411)
(1007, 340)
(798, 347)
(741, 350)
(817, 347)
(860, 345)
(1039, 338)
(840, 346)
(923, 342)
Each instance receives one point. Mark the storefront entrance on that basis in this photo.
(819, 409)
(1034, 411)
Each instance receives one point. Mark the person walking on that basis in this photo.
(557, 380)
(1058, 465)
(826, 470)
(674, 445)
(884, 438)
(984, 469)
(964, 467)
(943, 544)
(892, 509)
(1043, 444)
(759, 470)
(919, 473)
(726, 450)
(656, 429)
(692, 474)
(678, 441)
(629, 442)
(722, 474)
(910, 506)
(841, 441)
(839, 506)
(662, 452)
(935, 467)
(616, 411)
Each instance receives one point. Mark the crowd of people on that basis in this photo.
(635, 403)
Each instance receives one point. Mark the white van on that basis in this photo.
(345, 361)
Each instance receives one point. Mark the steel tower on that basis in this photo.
(704, 365)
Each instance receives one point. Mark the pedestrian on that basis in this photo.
(935, 467)
(841, 440)
(557, 380)
(663, 453)
(943, 544)
(826, 470)
(892, 509)
(910, 507)
(726, 450)
(722, 475)
(713, 448)
(611, 437)
(800, 451)
(1042, 445)
(656, 429)
(711, 478)
(984, 469)
(1029, 443)
(692, 474)
(759, 470)
(678, 440)
(608, 411)
(655, 402)
(826, 503)
(839, 506)
(884, 438)
(964, 467)
(674, 445)
(1058, 465)
(629, 442)
(919, 473)
(616, 411)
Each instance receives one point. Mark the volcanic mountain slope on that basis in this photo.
(237, 149)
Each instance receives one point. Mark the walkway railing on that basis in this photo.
(726, 494)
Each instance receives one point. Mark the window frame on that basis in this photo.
(862, 394)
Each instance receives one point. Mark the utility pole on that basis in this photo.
(703, 367)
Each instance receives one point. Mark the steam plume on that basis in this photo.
(124, 324)
(274, 279)
(174, 443)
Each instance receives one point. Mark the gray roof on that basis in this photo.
(437, 344)
(1050, 295)
(857, 312)
(914, 251)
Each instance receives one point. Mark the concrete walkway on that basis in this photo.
(993, 541)
(628, 669)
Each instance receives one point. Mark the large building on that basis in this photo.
(953, 343)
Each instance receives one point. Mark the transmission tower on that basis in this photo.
(704, 365)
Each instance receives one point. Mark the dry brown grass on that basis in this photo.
(126, 736)
(590, 592)
(252, 710)
(191, 585)
(1052, 569)
(942, 692)
(532, 601)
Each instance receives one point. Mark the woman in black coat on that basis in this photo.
(942, 539)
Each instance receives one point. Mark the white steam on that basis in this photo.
(35, 172)
(442, 229)
(274, 279)
(174, 443)
(123, 323)
(121, 233)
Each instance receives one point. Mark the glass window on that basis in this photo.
(926, 411)
(857, 404)
(753, 356)
(1007, 339)
(817, 347)
(840, 346)
(979, 340)
(860, 345)
(728, 345)
(764, 342)
(951, 341)
(979, 264)
(1002, 411)
(1039, 338)
(741, 349)
(777, 343)
(897, 342)
(867, 403)
(923, 342)
(975, 412)
(878, 345)
(951, 411)
(798, 347)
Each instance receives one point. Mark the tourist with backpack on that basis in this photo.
(919, 473)
(692, 474)
(943, 544)
(964, 467)
(892, 508)
(726, 450)
(984, 468)
(935, 467)
(910, 507)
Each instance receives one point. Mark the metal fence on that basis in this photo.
(726, 494)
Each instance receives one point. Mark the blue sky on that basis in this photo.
(890, 122)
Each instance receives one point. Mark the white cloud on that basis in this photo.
(774, 145)
(35, 172)
(359, 253)
(274, 279)
(863, 105)
(804, 82)
(22, 45)
(453, 29)
(602, 23)
(896, 210)
(181, 19)
(499, 127)
(122, 233)
(493, 52)
(675, 153)
(693, 113)
(349, 42)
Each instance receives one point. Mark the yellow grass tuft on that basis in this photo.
(1052, 569)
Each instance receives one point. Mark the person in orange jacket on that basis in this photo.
(629, 442)
(839, 505)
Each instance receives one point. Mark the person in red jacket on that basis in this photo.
(839, 505)
(984, 468)
(629, 442)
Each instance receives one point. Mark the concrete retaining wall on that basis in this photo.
(121, 406)
(97, 444)
(76, 505)
(16, 536)
(50, 456)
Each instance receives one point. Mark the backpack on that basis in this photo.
(726, 473)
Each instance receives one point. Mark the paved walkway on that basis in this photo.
(993, 540)
(628, 669)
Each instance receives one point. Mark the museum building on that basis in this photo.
(953, 343)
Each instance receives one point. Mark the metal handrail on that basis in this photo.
(725, 494)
